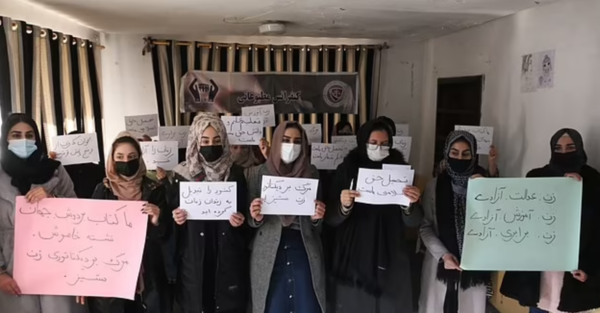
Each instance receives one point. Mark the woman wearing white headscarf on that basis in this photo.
(213, 256)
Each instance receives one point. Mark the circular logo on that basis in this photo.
(335, 92)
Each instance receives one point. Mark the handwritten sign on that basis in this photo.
(76, 247)
(208, 200)
(288, 196)
(397, 167)
(402, 130)
(77, 149)
(243, 130)
(267, 112)
(522, 224)
(163, 154)
(142, 124)
(327, 156)
(345, 140)
(313, 132)
(484, 136)
(175, 133)
(383, 186)
(403, 145)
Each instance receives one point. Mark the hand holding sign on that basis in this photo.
(288, 196)
(207, 201)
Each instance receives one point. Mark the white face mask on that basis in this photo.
(290, 152)
(377, 153)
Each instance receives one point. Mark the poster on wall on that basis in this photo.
(537, 71)
(222, 92)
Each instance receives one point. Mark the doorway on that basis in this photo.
(458, 103)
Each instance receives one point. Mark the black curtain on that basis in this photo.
(5, 91)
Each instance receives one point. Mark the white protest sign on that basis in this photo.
(327, 156)
(313, 132)
(403, 144)
(345, 140)
(163, 154)
(484, 136)
(288, 196)
(174, 133)
(402, 130)
(243, 130)
(208, 200)
(397, 167)
(142, 124)
(383, 186)
(77, 149)
(267, 112)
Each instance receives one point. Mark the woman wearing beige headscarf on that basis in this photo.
(212, 256)
(287, 271)
(126, 180)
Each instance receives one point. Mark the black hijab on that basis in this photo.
(570, 162)
(389, 122)
(364, 243)
(37, 169)
(450, 205)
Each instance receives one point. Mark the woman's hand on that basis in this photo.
(451, 262)
(180, 216)
(476, 176)
(153, 211)
(160, 173)
(412, 193)
(255, 208)
(80, 300)
(264, 147)
(237, 219)
(52, 155)
(8, 285)
(492, 164)
(37, 194)
(347, 197)
(580, 275)
(575, 176)
(319, 211)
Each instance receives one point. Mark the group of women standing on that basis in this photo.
(274, 264)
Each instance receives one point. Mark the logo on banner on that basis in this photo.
(202, 92)
(334, 93)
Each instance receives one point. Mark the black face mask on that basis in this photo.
(459, 166)
(211, 153)
(127, 169)
(568, 162)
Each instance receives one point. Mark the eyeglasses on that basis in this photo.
(371, 146)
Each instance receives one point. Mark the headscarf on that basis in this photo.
(301, 167)
(214, 171)
(37, 169)
(579, 159)
(125, 188)
(364, 243)
(339, 126)
(451, 208)
(389, 122)
(246, 158)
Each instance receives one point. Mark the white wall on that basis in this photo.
(35, 14)
(523, 122)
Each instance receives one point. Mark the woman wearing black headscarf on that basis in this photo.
(578, 291)
(370, 264)
(26, 171)
(445, 287)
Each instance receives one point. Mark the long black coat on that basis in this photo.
(575, 295)
(231, 262)
(152, 261)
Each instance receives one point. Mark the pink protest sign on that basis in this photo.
(77, 247)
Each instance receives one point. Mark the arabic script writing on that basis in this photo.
(163, 154)
(175, 133)
(208, 200)
(243, 130)
(77, 149)
(328, 156)
(382, 186)
(288, 196)
(142, 124)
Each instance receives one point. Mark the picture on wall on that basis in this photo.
(537, 71)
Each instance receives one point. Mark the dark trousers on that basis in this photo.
(536, 310)
(291, 287)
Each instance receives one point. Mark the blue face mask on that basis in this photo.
(23, 148)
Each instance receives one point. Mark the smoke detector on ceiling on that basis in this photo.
(272, 28)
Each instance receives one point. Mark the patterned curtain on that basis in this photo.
(172, 59)
(51, 76)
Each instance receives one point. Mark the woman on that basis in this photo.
(343, 128)
(213, 256)
(577, 291)
(286, 266)
(370, 263)
(445, 287)
(126, 181)
(26, 171)
(247, 157)
(492, 170)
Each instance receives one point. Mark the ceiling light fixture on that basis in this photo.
(272, 28)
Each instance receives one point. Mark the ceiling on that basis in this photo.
(377, 19)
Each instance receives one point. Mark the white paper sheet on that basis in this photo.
(288, 196)
(314, 132)
(267, 112)
(484, 136)
(403, 144)
(208, 200)
(175, 133)
(328, 156)
(383, 186)
(142, 124)
(243, 130)
(163, 154)
(77, 149)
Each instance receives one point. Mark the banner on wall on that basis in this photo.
(222, 92)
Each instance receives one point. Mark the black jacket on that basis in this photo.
(152, 261)
(575, 296)
(195, 255)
